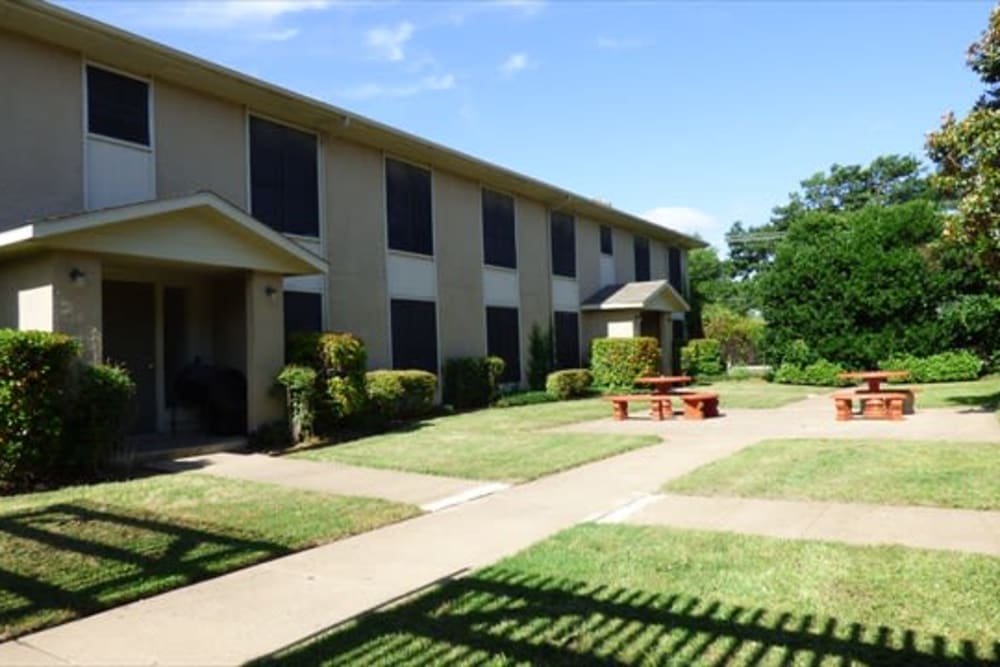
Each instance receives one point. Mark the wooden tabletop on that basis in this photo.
(664, 380)
(873, 375)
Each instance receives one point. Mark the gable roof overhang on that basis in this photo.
(106, 44)
(652, 295)
(199, 229)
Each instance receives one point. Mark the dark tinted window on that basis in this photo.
(117, 106)
(563, 245)
(284, 187)
(499, 248)
(303, 312)
(408, 205)
(674, 268)
(641, 258)
(606, 246)
(503, 340)
(567, 331)
(414, 335)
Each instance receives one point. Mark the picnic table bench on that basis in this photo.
(874, 405)
(697, 404)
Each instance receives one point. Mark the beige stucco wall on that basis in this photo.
(201, 144)
(356, 242)
(657, 260)
(265, 348)
(26, 293)
(77, 306)
(41, 161)
(458, 242)
(588, 257)
(534, 274)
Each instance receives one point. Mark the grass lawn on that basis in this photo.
(983, 394)
(948, 474)
(496, 444)
(72, 552)
(760, 394)
(599, 594)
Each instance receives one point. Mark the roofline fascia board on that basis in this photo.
(339, 122)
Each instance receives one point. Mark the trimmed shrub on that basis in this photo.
(520, 398)
(702, 357)
(540, 356)
(569, 383)
(300, 383)
(340, 361)
(820, 373)
(35, 377)
(945, 367)
(400, 394)
(104, 406)
(617, 362)
(471, 382)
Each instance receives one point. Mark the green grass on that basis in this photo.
(497, 444)
(947, 474)
(983, 394)
(654, 596)
(758, 394)
(72, 552)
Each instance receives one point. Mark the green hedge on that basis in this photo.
(340, 361)
(104, 406)
(945, 367)
(471, 382)
(568, 383)
(820, 373)
(617, 362)
(702, 357)
(396, 395)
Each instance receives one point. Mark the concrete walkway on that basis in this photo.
(255, 611)
(431, 492)
(921, 527)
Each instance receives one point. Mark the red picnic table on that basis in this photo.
(662, 384)
(875, 403)
(874, 378)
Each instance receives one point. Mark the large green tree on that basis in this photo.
(967, 155)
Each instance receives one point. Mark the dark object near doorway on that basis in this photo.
(219, 394)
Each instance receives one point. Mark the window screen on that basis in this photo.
(117, 106)
(567, 331)
(607, 248)
(563, 245)
(414, 335)
(303, 312)
(503, 340)
(408, 207)
(641, 258)
(499, 247)
(674, 268)
(284, 181)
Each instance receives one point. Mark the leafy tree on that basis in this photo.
(738, 335)
(967, 155)
(857, 286)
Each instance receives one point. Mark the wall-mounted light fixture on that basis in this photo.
(270, 292)
(77, 277)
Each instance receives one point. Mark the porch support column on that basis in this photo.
(667, 343)
(265, 346)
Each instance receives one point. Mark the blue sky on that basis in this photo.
(693, 114)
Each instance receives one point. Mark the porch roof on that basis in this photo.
(656, 295)
(201, 228)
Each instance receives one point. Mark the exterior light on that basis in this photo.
(77, 277)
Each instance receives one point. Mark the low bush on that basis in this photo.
(103, 409)
(821, 373)
(406, 394)
(340, 361)
(540, 356)
(35, 380)
(471, 382)
(518, 398)
(945, 367)
(302, 398)
(569, 383)
(702, 357)
(617, 362)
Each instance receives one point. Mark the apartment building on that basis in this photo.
(168, 211)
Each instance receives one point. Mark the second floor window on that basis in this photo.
(117, 106)
(563, 245)
(499, 247)
(607, 248)
(284, 180)
(641, 258)
(675, 273)
(408, 207)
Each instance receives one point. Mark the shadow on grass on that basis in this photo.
(505, 617)
(979, 403)
(69, 560)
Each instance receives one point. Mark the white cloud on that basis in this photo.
(620, 43)
(683, 219)
(222, 14)
(389, 42)
(278, 35)
(525, 7)
(423, 85)
(515, 63)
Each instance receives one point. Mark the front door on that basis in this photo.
(129, 332)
